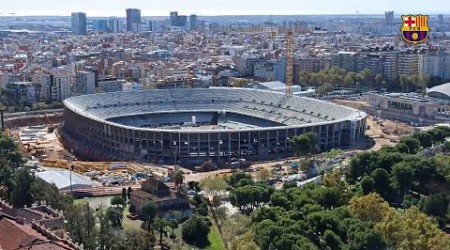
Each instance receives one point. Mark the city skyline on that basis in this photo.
(231, 7)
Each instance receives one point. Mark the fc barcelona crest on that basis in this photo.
(415, 28)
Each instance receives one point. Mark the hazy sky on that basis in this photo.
(222, 7)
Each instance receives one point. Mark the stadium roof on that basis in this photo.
(61, 178)
(289, 110)
(440, 91)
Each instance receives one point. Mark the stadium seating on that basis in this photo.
(130, 107)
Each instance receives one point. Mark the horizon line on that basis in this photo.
(205, 13)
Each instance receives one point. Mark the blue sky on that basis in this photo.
(222, 7)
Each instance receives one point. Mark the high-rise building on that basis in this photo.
(155, 25)
(173, 18)
(85, 83)
(193, 22)
(389, 16)
(55, 86)
(176, 20)
(100, 25)
(440, 19)
(114, 25)
(79, 23)
(133, 20)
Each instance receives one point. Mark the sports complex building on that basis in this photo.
(412, 108)
(191, 125)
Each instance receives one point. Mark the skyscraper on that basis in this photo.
(389, 17)
(173, 18)
(440, 19)
(79, 23)
(193, 22)
(114, 25)
(100, 25)
(133, 20)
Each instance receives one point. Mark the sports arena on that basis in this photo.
(191, 125)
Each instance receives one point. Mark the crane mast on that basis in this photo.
(289, 62)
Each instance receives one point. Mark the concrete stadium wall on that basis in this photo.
(94, 140)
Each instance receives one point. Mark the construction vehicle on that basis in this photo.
(51, 126)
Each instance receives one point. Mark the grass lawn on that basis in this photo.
(94, 202)
(215, 239)
(128, 224)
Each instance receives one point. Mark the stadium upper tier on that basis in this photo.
(272, 106)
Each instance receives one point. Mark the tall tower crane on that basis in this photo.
(289, 62)
(289, 56)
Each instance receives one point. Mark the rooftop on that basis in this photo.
(61, 178)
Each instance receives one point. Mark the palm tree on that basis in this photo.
(114, 215)
(194, 185)
(149, 210)
(178, 178)
(174, 218)
(161, 224)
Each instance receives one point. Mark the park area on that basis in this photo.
(172, 235)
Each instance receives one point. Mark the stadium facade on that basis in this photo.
(189, 126)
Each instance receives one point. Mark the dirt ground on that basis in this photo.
(383, 132)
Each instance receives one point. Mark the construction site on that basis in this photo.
(384, 132)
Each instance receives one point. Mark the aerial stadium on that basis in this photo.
(188, 126)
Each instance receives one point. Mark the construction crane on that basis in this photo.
(51, 127)
(289, 57)
(289, 62)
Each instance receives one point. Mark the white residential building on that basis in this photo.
(435, 65)
(55, 86)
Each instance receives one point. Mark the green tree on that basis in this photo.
(161, 225)
(21, 194)
(367, 184)
(382, 182)
(325, 89)
(334, 153)
(412, 230)
(370, 207)
(178, 178)
(129, 190)
(6, 179)
(6, 145)
(279, 199)
(195, 231)
(15, 158)
(213, 185)
(124, 194)
(244, 242)
(80, 223)
(136, 240)
(331, 240)
(304, 144)
(239, 179)
(149, 210)
(106, 237)
(115, 216)
(117, 201)
(362, 235)
(434, 205)
(45, 193)
(403, 177)
(234, 227)
(412, 143)
(425, 139)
